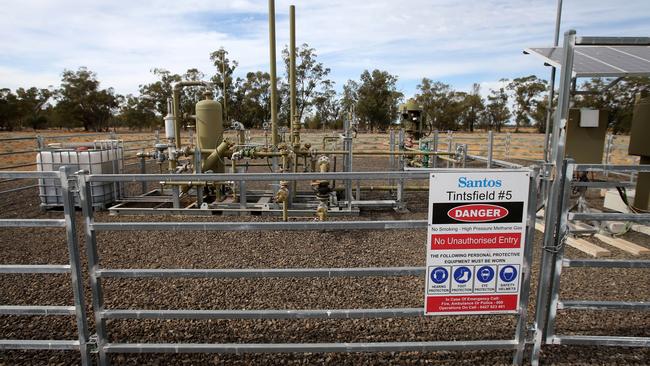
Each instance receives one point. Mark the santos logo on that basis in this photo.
(477, 213)
(464, 182)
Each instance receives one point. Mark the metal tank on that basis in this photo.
(209, 127)
(411, 116)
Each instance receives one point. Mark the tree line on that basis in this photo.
(81, 102)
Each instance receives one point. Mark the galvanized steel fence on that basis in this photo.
(97, 273)
(554, 260)
(73, 268)
(547, 307)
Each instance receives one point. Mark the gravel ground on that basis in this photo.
(290, 249)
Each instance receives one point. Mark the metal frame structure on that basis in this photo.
(73, 268)
(97, 274)
(559, 181)
(553, 260)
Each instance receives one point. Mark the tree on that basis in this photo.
(350, 96)
(311, 78)
(9, 111)
(161, 90)
(618, 100)
(137, 113)
(191, 95)
(327, 109)
(540, 111)
(497, 112)
(525, 89)
(83, 103)
(441, 104)
(254, 97)
(378, 99)
(32, 104)
(224, 78)
(471, 107)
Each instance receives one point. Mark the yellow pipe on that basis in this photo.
(216, 156)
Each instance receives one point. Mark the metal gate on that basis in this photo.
(73, 268)
(97, 273)
(558, 217)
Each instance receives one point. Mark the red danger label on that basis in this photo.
(477, 213)
(476, 241)
(471, 303)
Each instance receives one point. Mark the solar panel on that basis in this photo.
(603, 61)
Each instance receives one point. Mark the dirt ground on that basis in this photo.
(354, 248)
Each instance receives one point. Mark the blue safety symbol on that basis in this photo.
(439, 275)
(462, 274)
(485, 274)
(508, 273)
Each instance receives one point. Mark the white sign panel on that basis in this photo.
(475, 244)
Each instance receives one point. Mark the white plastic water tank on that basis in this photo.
(101, 157)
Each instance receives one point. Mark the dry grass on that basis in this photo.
(522, 145)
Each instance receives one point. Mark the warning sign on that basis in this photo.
(475, 245)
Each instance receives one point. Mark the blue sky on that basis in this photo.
(458, 42)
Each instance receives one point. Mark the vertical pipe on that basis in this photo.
(551, 87)
(608, 152)
(85, 198)
(490, 149)
(450, 141)
(75, 263)
(143, 170)
(391, 158)
(400, 182)
(562, 231)
(347, 145)
(464, 156)
(435, 148)
(176, 96)
(294, 124)
(554, 198)
(197, 170)
(522, 321)
(274, 91)
(242, 194)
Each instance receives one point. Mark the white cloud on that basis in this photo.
(444, 39)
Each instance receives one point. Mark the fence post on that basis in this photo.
(391, 158)
(76, 276)
(143, 170)
(85, 198)
(562, 232)
(490, 137)
(450, 141)
(553, 240)
(435, 148)
(401, 164)
(508, 140)
(522, 321)
(609, 141)
(40, 143)
(197, 170)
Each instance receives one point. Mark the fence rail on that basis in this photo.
(97, 273)
(73, 269)
(554, 260)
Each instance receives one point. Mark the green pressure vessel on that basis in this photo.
(209, 126)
